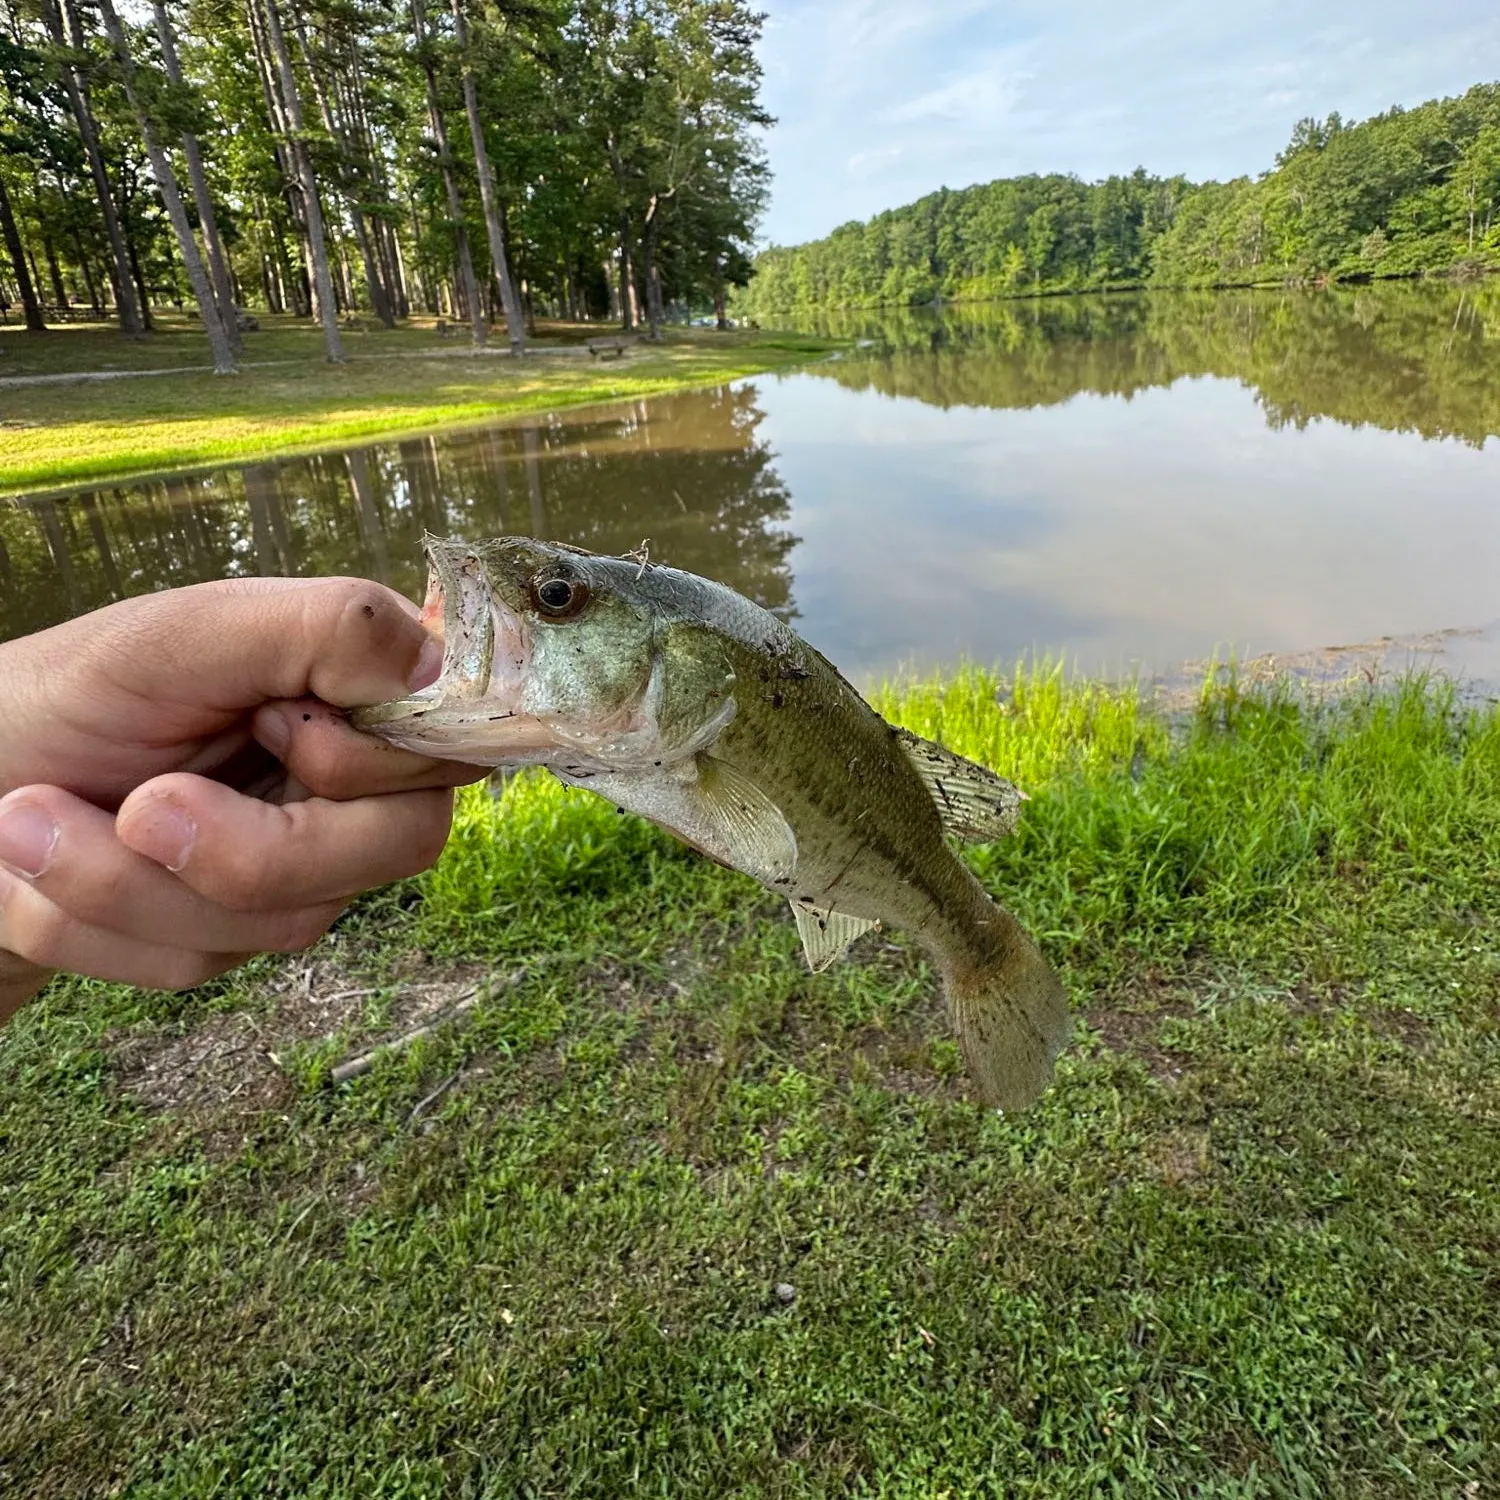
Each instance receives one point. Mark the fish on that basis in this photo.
(682, 701)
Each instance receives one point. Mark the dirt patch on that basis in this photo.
(1412, 1031)
(224, 1061)
(234, 1062)
(1182, 1157)
(1138, 1036)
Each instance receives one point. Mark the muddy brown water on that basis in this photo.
(1128, 481)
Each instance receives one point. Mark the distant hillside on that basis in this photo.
(1408, 191)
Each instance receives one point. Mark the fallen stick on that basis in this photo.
(355, 1067)
(422, 1105)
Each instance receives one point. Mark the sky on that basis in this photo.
(881, 101)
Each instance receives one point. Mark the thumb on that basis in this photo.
(239, 642)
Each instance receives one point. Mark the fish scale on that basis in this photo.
(681, 700)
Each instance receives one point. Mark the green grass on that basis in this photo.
(1246, 1245)
(77, 432)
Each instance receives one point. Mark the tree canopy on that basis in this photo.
(473, 159)
(1408, 191)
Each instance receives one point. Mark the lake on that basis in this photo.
(1128, 481)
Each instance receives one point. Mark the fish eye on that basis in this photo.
(560, 597)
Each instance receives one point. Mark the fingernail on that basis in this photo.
(429, 665)
(273, 731)
(28, 839)
(166, 834)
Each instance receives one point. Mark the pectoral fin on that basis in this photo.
(973, 802)
(826, 935)
(713, 807)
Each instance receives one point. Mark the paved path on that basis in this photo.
(9, 381)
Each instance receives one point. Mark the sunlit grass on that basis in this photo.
(56, 435)
(1243, 1247)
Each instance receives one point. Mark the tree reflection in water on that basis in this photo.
(693, 474)
(688, 473)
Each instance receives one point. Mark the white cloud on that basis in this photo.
(881, 101)
(978, 97)
(868, 163)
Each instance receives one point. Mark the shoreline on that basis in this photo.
(1453, 275)
(184, 422)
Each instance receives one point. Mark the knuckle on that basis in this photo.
(315, 762)
(430, 838)
(243, 880)
(37, 930)
(370, 610)
(302, 930)
(186, 971)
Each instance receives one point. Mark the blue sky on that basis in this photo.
(880, 101)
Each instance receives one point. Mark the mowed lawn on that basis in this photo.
(663, 1214)
(288, 399)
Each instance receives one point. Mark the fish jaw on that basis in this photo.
(473, 711)
(494, 703)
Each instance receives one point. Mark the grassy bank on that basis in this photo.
(288, 400)
(668, 1215)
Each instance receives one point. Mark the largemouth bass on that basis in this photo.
(679, 699)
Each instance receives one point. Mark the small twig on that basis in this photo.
(423, 1104)
(338, 995)
(641, 555)
(355, 1067)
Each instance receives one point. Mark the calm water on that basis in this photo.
(1132, 481)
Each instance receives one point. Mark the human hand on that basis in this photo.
(178, 790)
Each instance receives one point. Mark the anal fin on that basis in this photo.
(826, 935)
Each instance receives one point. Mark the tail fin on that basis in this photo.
(1011, 1014)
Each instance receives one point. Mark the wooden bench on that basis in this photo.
(611, 348)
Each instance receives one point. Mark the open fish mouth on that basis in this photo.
(475, 707)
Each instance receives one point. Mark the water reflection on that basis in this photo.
(1125, 479)
(1408, 357)
(690, 473)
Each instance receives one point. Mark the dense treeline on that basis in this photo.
(475, 159)
(1407, 191)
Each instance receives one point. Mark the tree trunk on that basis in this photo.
(138, 280)
(86, 266)
(499, 259)
(54, 273)
(166, 181)
(35, 323)
(468, 287)
(218, 266)
(627, 276)
(654, 311)
(379, 301)
(386, 242)
(294, 288)
(317, 244)
(130, 309)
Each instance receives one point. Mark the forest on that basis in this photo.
(480, 161)
(1406, 192)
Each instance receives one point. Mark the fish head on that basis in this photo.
(553, 656)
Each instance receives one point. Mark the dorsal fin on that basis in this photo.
(973, 802)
